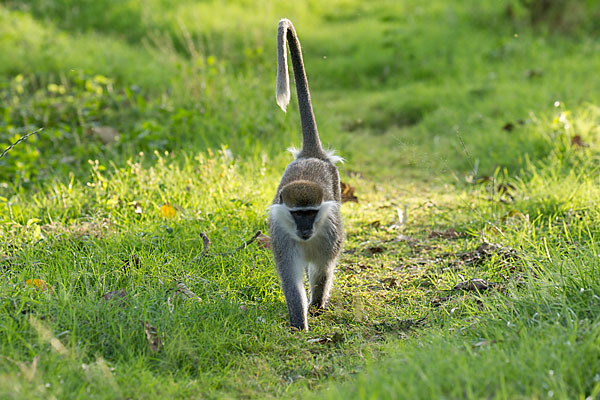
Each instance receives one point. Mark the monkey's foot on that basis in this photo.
(316, 309)
(295, 329)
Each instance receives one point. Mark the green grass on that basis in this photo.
(475, 117)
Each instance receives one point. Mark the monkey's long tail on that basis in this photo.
(311, 145)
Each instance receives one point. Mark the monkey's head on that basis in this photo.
(304, 200)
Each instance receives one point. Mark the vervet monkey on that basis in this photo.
(304, 219)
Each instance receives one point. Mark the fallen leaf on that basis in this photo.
(472, 284)
(509, 126)
(152, 336)
(264, 241)
(167, 211)
(115, 295)
(438, 301)
(578, 141)
(375, 249)
(485, 251)
(348, 193)
(107, 134)
(137, 207)
(391, 282)
(40, 285)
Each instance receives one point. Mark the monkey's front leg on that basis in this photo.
(290, 267)
(321, 279)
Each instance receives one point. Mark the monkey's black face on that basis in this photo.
(305, 221)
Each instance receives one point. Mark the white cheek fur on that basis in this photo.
(280, 214)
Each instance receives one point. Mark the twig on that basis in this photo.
(225, 253)
(243, 245)
(206, 243)
(21, 139)
(247, 242)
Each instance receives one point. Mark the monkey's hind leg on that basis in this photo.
(321, 280)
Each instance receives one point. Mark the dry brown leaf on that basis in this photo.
(578, 141)
(115, 295)
(450, 233)
(348, 193)
(485, 251)
(264, 241)
(391, 282)
(509, 126)
(375, 249)
(152, 336)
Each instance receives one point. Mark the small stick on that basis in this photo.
(247, 242)
(206, 243)
(244, 245)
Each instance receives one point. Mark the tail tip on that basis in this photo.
(284, 21)
(283, 99)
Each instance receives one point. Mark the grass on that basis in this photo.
(478, 125)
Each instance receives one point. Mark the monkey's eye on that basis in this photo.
(305, 213)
